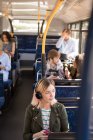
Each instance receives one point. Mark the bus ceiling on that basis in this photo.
(71, 11)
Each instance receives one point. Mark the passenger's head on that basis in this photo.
(45, 90)
(54, 56)
(78, 63)
(66, 34)
(6, 37)
(1, 45)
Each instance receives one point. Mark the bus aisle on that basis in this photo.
(12, 119)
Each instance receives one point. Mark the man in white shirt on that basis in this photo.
(67, 45)
(5, 63)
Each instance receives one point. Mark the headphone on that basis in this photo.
(38, 94)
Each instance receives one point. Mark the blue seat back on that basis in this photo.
(67, 91)
(69, 101)
(26, 43)
(72, 118)
(47, 48)
(37, 68)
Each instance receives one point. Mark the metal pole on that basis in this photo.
(57, 6)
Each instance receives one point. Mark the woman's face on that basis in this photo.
(49, 94)
(5, 39)
(55, 60)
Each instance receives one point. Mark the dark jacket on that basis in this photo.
(33, 120)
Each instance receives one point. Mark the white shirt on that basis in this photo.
(5, 61)
(68, 47)
(45, 118)
(58, 66)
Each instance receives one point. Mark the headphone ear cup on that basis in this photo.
(38, 95)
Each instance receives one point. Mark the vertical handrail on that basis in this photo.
(38, 16)
(57, 6)
(86, 88)
(10, 21)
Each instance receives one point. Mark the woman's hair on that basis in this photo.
(79, 62)
(41, 86)
(1, 44)
(53, 53)
(66, 30)
(7, 35)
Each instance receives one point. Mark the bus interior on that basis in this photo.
(36, 26)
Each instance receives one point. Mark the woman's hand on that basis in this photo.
(67, 73)
(39, 134)
(12, 54)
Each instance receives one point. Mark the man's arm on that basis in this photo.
(59, 42)
(74, 51)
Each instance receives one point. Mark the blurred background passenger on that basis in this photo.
(75, 71)
(44, 114)
(78, 65)
(8, 44)
(67, 45)
(5, 63)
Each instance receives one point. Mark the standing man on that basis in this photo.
(67, 45)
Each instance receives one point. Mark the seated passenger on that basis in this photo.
(75, 71)
(8, 44)
(44, 114)
(67, 45)
(78, 64)
(5, 63)
(54, 66)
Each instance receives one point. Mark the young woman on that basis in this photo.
(54, 67)
(44, 114)
(78, 64)
(8, 44)
(75, 71)
(5, 63)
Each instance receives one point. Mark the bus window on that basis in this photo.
(83, 41)
(85, 25)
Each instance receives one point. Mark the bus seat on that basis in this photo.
(37, 69)
(47, 49)
(69, 101)
(2, 98)
(67, 91)
(72, 112)
(62, 136)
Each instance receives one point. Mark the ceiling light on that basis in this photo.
(20, 10)
(1, 14)
(44, 5)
